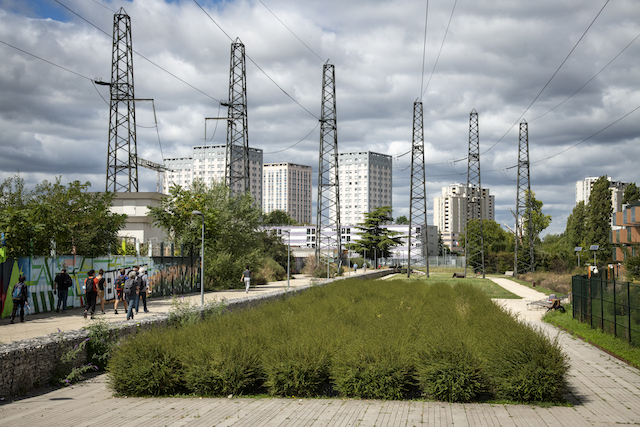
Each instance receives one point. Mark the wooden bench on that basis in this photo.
(508, 273)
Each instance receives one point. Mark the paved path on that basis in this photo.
(605, 392)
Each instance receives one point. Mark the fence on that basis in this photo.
(609, 305)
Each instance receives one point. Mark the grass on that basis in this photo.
(489, 287)
(391, 339)
(607, 342)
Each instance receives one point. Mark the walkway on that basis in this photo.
(604, 391)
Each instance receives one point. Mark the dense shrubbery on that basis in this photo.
(373, 339)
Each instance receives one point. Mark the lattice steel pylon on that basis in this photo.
(237, 152)
(418, 200)
(474, 239)
(328, 232)
(122, 166)
(523, 263)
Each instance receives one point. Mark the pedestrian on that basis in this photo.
(246, 276)
(101, 281)
(143, 280)
(131, 291)
(62, 283)
(91, 293)
(20, 296)
(120, 290)
(355, 267)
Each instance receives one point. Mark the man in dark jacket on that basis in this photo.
(62, 283)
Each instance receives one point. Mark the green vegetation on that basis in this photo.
(606, 341)
(376, 240)
(57, 218)
(233, 238)
(391, 339)
(489, 287)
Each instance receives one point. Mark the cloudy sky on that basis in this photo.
(568, 67)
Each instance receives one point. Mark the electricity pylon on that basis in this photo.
(418, 202)
(237, 152)
(523, 263)
(474, 241)
(328, 232)
(122, 166)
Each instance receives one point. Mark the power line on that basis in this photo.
(424, 48)
(549, 81)
(441, 46)
(291, 31)
(138, 53)
(305, 137)
(254, 63)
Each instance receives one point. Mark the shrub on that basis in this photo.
(299, 370)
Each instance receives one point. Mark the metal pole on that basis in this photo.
(201, 260)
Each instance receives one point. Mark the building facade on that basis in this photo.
(626, 234)
(450, 210)
(365, 183)
(208, 163)
(584, 187)
(287, 187)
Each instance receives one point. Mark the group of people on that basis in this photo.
(130, 289)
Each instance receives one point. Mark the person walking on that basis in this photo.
(120, 290)
(246, 276)
(20, 296)
(131, 291)
(62, 283)
(91, 293)
(143, 281)
(101, 281)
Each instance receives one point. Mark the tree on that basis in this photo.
(539, 221)
(631, 194)
(402, 220)
(599, 216)
(576, 226)
(278, 217)
(57, 217)
(374, 238)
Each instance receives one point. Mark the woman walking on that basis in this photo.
(20, 297)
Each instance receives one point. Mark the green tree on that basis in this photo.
(402, 220)
(576, 226)
(631, 194)
(57, 217)
(376, 239)
(599, 216)
(278, 217)
(539, 221)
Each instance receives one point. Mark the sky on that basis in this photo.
(568, 67)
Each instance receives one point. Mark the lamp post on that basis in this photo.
(288, 254)
(577, 250)
(594, 248)
(201, 260)
(364, 264)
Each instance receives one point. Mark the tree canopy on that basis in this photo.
(374, 238)
(57, 218)
(402, 220)
(278, 217)
(631, 194)
(599, 216)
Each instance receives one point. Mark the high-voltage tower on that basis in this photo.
(474, 241)
(523, 262)
(122, 166)
(237, 153)
(328, 230)
(418, 202)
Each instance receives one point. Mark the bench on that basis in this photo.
(508, 273)
(458, 276)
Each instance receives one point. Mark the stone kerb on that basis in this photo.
(30, 363)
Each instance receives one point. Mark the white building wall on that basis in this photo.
(584, 187)
(287, 187)
(207, 163)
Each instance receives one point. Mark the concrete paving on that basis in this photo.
(603, 390)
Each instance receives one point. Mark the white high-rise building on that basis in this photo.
(584, 187)
(449, 211)
(365, 183)
(207, 163)
(287, 187)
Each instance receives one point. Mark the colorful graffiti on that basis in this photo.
(41, 271)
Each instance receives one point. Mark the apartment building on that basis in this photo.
(207, 163)
(287, 187)
(450, 210)
(584, 187)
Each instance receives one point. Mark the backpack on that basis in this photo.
(119, 281)
(19, 291)
(130, 287)
(89, 287)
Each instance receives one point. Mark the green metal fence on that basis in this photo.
(609, 305)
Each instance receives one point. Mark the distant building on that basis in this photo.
(139, 226)
(626, 233)
(208, 163)
(450, 211)
(365, 183)
(287, 187)
(584, 187)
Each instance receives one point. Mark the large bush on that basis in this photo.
(353, 338)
